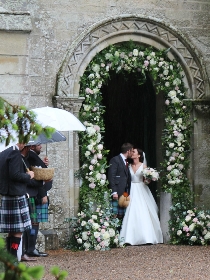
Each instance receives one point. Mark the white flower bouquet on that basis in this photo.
(191, 227)
(150, 174)
(95, 230)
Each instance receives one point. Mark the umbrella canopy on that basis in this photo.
(61, 120)
(42, 138)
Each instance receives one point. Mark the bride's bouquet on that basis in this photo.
(150, 174)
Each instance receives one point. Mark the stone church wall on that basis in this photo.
(35, 36)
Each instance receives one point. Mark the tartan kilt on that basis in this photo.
(32, 210)
(116, 209)
(42, 212)
(14, 214)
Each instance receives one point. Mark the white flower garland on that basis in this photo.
(176, 135)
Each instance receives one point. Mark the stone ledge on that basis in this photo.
(15, 21)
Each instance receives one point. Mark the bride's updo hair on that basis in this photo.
(140, 152)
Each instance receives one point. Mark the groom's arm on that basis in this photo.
(113, 177)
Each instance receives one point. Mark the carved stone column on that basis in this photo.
(73, 105)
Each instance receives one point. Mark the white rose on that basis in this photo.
(165, 72)
(171, 145)
(172, 93)
(84, 235)
(135, 52)
(175, 172)
(187, 218)
(175, 100)
(171, 182)
(83, 223)
(106, 235)
(97, 248)
(100, 147)
(111, 232)
(87, 107)
(96, 234)
(193, 238)
(96, 68)
(117, 54)
(94, 217)
(152, 61)
(98, 176)
(87, 153)
(87, 245)
(95, 226)
(91, 76)
(91, 131)
(102, 182)
(90, 147)
(108, 55)
(179, 232)
(176, 82)
(192, 227)
(207, 236)
(79, 241)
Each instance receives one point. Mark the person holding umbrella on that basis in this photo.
(41, 199)
(35, 188)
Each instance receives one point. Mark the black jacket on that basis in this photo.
(13, 178)
(119, 176)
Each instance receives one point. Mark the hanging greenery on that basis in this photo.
(19, 121)
(167, 78)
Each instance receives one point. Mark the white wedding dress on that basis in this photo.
(141, 223)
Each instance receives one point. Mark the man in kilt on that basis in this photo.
(14, 211)
(119, 177)
(41, 198)
(34, 188)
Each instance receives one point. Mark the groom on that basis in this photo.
(119, 177)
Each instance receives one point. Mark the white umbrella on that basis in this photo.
(61, 120)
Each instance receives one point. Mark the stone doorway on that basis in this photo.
(146, 31)
(131, 117)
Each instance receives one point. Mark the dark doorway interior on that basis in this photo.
(130, 116)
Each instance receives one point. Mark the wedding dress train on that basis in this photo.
(141, 223)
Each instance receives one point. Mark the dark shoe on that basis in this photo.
(36, 253)
(26, 258)
(42, 254)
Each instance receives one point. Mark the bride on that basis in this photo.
(141, 223)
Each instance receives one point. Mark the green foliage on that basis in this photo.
(94, 229)
(189, 225)
(19, 119)
(59, 274)
(166, 75)
(10, 269)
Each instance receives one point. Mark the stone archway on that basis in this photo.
(114, 30)
(144, 30)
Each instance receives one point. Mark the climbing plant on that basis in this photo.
(167, 77)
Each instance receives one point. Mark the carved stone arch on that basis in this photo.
(147, 31)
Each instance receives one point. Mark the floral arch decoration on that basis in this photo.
(166, 74)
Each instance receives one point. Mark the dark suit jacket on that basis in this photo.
(35, 160)
(118, 175)
(13, 178)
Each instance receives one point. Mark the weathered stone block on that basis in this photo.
(51, 239)
(13, 65)
(13, 43)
